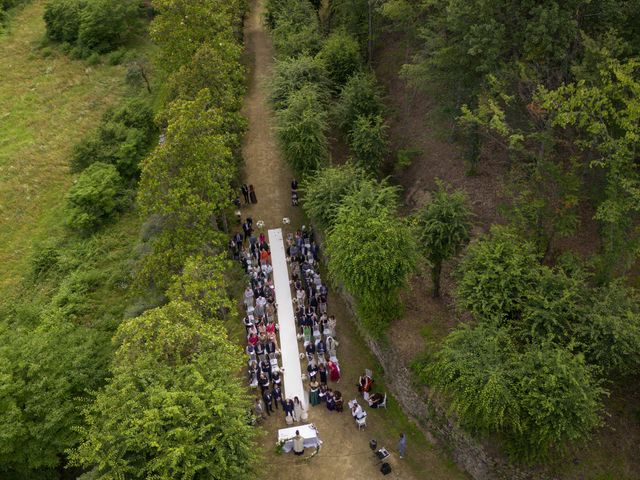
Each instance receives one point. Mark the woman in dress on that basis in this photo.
(306, 332)
(331, 345)
(298, 410)
(314, 398)
(322, 393)
(252, 194)
(334, 371)
(331, 401)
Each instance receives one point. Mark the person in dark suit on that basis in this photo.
(276, 394)
(245, 192)
(268, 401)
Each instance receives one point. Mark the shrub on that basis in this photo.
(116, 57)
(106, 24)
(302, 130)
(62, 19)
(94, 59)
(294, 26)
(291, 74)
(95, 198)
(341, 57)
(325, 189)
(369, 142)
(360, 96)
(44, 259)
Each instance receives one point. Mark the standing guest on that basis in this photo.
(246, 228)
(402, 445)
(294, 185)
(298, 444)
(331, 345)
(323, 374)
(252, 194)
(311, 350)
(312, 370)
(331, 401)
(245, 192)
(264, 382)
(287, 406)
(334, 371)
(258, 410)
(276, 394)
(275, 378)
(322, 393)
(314, 398)
(268, 401)
(248, 297)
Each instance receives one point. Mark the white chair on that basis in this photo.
(368, 373)
(361, 422)
(383, 404)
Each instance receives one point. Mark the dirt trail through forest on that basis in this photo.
(345, 453)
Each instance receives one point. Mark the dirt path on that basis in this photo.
(345, 453)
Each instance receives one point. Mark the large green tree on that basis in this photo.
(172, 408)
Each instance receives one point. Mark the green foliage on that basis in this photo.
(444, 227)
(292, 74)
(496, 275)
(369, 142)
(294, 26)
(340, 54)
(302, 130)
(325, 189)
(539, 398)
(93, 26)
(203, 284)
(372, 252)
(359, 97)
(170, 409)
(122, 139)
(95, 198)
(352, 16)
(44, 375)
(186, 182)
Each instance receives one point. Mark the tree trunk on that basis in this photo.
(435, 278)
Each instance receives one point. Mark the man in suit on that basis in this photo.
(268, 402)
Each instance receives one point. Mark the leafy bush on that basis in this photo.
(325, 189)
(62, 19)
(369, 142)
(302, 130)
(94, 59)
(291, 74)
(359, 97)
(122, 139)
(95, 198)
(539, 398)
(44, 259)
(372, 251)
(294, 26)
(340, 54)
(93, 26)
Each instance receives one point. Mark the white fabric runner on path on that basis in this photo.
(292, 375)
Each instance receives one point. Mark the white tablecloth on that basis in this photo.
(308, 432)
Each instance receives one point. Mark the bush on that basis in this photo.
(291, 74)
(369, 142)
(325, 189)
(94, 59)
(116, 57)
(359, 97)
(95, 198)
(294, 26)
(106, 24)
(341, 57)
(44, 259)
(62, 19)
(302, 130)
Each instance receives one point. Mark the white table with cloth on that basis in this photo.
(308, 432)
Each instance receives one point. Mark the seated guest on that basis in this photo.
(264, 382)
(311, 350)
(312, 370)
(331, 401)
(375, 400)
(364, 383)
(337, 396)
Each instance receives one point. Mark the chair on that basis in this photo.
(368, 373)
(383, 403)
(361, 422)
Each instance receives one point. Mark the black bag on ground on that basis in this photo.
(385, 468)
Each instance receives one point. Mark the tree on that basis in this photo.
(340, 54)
(372, 252)
(172, 408)
(359, 97)
(95, 198)
(496, 275)
(539, 396)
(302, 130)
(106, 24)
(369, 142)
(444, 226)
(292, 73)
(187, 183)
(325, 189)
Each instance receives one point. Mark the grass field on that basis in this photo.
(47, 103)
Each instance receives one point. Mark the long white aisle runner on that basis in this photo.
(288, 335)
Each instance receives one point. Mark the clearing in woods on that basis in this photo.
(345, 453)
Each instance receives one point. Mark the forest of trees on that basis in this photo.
(141, 388)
